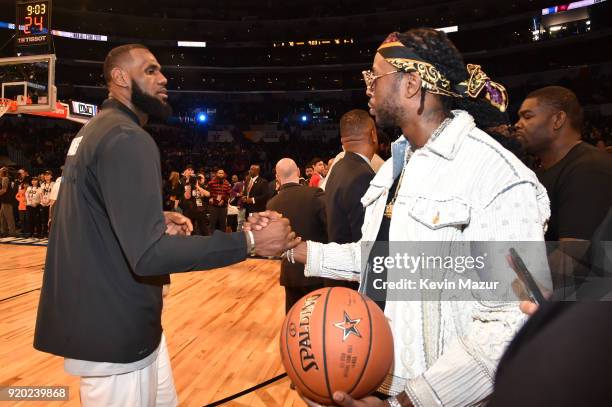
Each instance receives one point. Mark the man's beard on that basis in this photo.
(388, 115)
(152, 106)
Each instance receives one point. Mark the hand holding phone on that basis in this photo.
(533, 291)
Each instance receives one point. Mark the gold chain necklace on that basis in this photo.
(389, 206)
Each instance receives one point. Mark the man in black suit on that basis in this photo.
(349, 180)
(305, 209)
(256, 192)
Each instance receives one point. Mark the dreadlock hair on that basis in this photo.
(435, 48)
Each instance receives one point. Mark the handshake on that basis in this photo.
(272, 233)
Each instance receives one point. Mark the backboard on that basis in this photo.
(30, 82)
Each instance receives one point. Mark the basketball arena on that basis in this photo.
(305, 203)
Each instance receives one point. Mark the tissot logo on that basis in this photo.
(307, 358)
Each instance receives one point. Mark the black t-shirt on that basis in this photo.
(382, 249)
(580, 191)
(101, 295)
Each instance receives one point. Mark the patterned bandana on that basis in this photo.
(406, 60)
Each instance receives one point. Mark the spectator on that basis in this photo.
(172, 192)
(549, 127)
(22, 208)
(550, 121)
(308, 174)
(305, 209)
(235, 221)
(349, 181)
(256, 195)
(318, 169)
(45, 202)
(33, 198)
(197, 190)
(220, 190)
(7, 218)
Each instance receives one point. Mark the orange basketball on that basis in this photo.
(336, 339)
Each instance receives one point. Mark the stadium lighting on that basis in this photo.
(202, 118)
(448, 30)
(193, 44)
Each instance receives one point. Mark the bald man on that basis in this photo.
(305, 208)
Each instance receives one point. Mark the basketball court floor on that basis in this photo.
(222, 327)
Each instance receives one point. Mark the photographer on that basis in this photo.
(194, 204)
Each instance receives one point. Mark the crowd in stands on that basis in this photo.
(43, 143)
(40, 145)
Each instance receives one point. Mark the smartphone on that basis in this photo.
(533, 291)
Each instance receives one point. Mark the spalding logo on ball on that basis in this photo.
(335, 339)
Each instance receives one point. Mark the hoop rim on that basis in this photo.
(7, 105)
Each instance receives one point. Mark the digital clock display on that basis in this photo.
(33, 22)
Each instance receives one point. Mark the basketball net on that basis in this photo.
(7, 105)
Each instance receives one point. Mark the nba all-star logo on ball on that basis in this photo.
(348, 326)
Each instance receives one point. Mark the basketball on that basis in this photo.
(335, 339)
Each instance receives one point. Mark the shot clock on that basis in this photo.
(33, 23)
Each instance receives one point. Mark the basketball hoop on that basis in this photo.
(7, 105)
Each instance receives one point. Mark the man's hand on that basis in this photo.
(343, 399)
(177, 224)
(275, 237)
(258, 221)
(528, 307)
(300, 253)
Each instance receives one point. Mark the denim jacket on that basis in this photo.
(461, 186)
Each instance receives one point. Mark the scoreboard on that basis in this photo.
(33, 23)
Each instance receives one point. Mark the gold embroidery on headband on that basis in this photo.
(477, 80)
(433, 80)
(496, 93)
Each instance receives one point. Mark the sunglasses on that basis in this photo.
(369, 78)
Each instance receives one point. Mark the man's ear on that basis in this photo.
(411, 84)
(120, 77)
(374, 136)
(559, 120)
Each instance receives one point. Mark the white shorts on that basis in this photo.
(147, 387)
